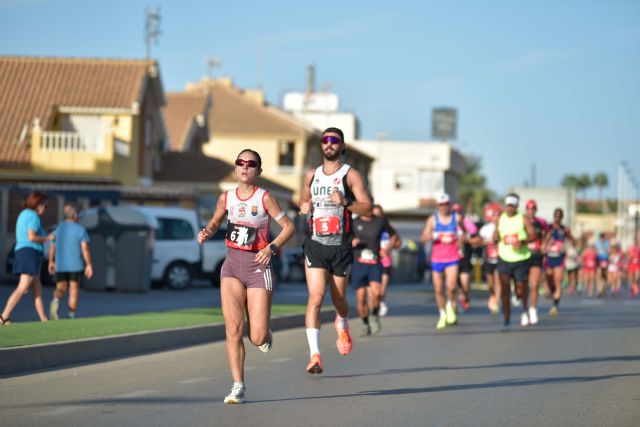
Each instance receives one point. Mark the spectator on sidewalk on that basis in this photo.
(30, 238)
(69, 259)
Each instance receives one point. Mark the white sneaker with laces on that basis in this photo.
(383, 309)
(237, 395)
(524, 320)
(266, 347)
(533, 316)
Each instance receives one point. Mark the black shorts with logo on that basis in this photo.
(519, 270)
(335, 259)
(69, 276)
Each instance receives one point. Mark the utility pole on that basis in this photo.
(151, 28)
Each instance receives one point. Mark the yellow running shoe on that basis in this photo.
(451, 315)
(442, 322)
(553, 311)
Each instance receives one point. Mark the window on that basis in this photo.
(174, 229)
(286, 154)
(403, 181)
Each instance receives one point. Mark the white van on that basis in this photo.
(177, 256)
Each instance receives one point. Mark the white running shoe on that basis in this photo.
(524, 320)
(515, 301)
(375, 324)
(53, 309)
(383, 309)
(237, 395)
(533, 316)
(266, 347)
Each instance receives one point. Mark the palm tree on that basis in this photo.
(601, 180)
(570, 181)
(584, 183)
(473, 189)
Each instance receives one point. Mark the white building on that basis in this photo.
(408, 175)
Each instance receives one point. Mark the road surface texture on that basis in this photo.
(579, 369)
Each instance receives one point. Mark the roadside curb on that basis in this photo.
(22, 360)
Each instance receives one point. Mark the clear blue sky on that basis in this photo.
(551, 82)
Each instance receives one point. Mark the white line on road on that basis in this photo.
(282, 359)
(195, 380)
(63, 410)
(139, 393)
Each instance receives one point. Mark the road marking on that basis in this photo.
(63, 410)
(139, 393)
(195, 380)
(282, 359)
(592, 302)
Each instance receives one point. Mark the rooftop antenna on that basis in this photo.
(311, 79)
(151, 28)
(211, 62)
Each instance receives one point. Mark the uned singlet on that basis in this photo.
(247, 221)
(330, 223)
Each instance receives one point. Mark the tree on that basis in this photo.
(584, 183)
(473, 185)
(601, 180)
(570, 181)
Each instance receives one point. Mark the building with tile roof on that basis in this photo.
(87, 120)
(240, 119)
(186, 117)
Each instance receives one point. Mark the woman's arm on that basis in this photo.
(287, 231)
(216, 220)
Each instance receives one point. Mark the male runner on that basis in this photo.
(537, 258)
(329, 194)
(388, 242)
(366, 274)
(470, 240)
(490, 256)
(513, 232)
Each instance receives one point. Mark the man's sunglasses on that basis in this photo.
(331, 140)
(249, 163)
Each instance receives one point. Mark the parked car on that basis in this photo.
(177, 256)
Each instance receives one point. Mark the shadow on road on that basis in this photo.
(497, 365)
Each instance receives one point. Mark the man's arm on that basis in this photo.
(86, 255)
(305, 193)
(52, 259)
(427, 231)
(362, 205)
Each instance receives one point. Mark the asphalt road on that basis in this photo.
(581, 368)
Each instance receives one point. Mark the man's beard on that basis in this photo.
(331, 155)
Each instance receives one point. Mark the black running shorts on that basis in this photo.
(66, 276)
(336, 260)
(519, 270)
(536, 260)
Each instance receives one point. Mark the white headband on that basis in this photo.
(511, 200)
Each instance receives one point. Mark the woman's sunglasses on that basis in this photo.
(249, 163)
(331, 140)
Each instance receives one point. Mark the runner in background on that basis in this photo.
(537, 258)
(491, 213)
(589, 269)
(471, 239)
(615, 269)
(555, 248)
(513, 232)
(572, 264)
(388, 242)
(443, 229)
(602, 248)
(633, 257)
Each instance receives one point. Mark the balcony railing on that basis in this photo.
(67, 142)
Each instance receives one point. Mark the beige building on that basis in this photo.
(241, 119)
(80, 120)
(409, 175)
